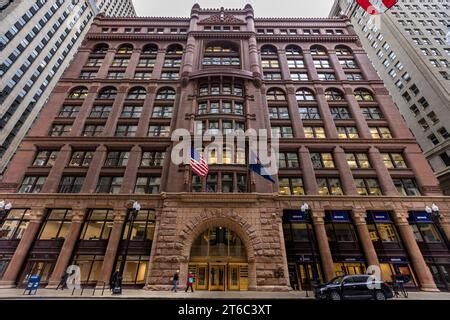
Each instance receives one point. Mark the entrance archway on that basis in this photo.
(219, 261)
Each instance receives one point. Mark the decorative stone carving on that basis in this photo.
(225, 18)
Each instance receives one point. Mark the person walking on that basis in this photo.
(190, 282)
(175, 279)
(63, 283)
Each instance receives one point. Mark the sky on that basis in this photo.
(262, 8)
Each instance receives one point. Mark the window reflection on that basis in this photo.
(218, 241)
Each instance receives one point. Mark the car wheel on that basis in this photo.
(380, 296)
(335, 296)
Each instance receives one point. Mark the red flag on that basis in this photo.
(376, 6)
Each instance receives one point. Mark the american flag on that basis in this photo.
(198, 163)
(376, 6)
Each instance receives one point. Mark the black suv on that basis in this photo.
(353, 287)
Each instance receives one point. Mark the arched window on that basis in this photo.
(333, 95)
(100, 48)
(363, 95)
(305, 95)
(137, 93)
(109, 93)
(78, 93)
(150, 49)
(125, 49)
(175, 49)
(221, 53)
(318, 51)
(293, 50)
(166, 94)
(268, 50)
(343, 51)
(275, 94)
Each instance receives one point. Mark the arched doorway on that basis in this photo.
(218, 259)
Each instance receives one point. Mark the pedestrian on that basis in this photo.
(63, 283)
(175, 279)
(190, 282)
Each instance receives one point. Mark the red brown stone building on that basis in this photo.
(103, 141)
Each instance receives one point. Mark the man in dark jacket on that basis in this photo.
(63, 282)
(175, 280)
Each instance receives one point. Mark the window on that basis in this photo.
(116, 75)
(15, 224)
(372, 113)
(322, 63)
(125, 49)
(120, 62)
(143, 226)
(162, 112)
(166, 94)
(93, 130)
(158, 131)
(314, 132)
(348, 63)
(278, 113)
(131, 112)
(444, 133)
(94, 62)
(169, 75)
(445, 158)
(326, 76)
(433, 139)
(272, 76)
(322, 160)
(100, 112)
(87, 75)
(78, 93)
(318, 50)
(137, 94)
(363, 95)
(304, 95)
(125, 130)
(358, 160)
(393, 160)
(329, 186)
(45, 158)
(142, 75)
(282, 132)
(299, 76)
(107, 184)
(290, 186)
(309, 113)
(296, 64)
(32, 184)
(68, 111)
(146, 63)
(380, 133)
(147, 185)
(71, 184)
(98, 225)
(354, 76)
(107, 94)
(425, 232)
(347, 132)
(334, 95)
(81, 158)
(58, 130)
(152, 159)
(340, 113)
(383, 231)
(368, 187)
(406, 187)
(275, 95)
(270, 63)
(117, 159)
(288, 160)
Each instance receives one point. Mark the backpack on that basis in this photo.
(191, 280)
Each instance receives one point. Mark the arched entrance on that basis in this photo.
(218, 259)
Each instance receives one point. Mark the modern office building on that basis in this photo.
(409, 49)
(114, 8)
(37, 42)
(103, 141)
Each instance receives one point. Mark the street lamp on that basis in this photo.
(433, 211)
(4, 209)
(307, 212)
(133, 214)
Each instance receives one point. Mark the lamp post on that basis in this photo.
(4, 210)
(433, 211)
(133, 214)
(306, 210)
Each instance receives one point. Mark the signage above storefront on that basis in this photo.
(338, 216)
(378, 216)
(419, 217)
(294, 216)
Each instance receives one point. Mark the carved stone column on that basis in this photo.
(15, 265)
(322, 242)
(359, 220)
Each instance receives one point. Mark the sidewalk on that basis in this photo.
(8, 294)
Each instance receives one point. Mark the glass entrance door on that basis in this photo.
(217, 277)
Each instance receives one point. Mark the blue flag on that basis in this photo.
(256, 166)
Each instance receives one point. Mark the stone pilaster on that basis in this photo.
(359, 220)
(322, 243)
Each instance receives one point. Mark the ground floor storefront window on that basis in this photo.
(349, 268)
(440, 269)
(90, 268)
(38, 267)
(390, 268)
(135, 270)
(4, 262)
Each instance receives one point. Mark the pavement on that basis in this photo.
(88, 294)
